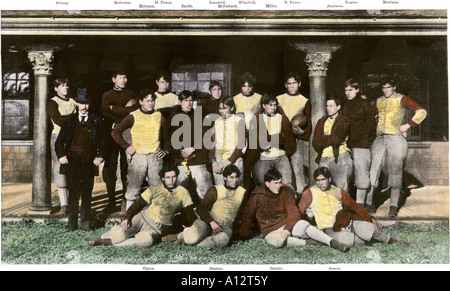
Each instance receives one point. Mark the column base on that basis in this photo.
(40, 208)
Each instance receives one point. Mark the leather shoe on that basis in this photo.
(100, 242)
(370, 208)
(338, 246)
(393, 211)
(179, 241)
(170, 238)
(400, 240)
(61, 213)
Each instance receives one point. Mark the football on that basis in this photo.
(299, 120)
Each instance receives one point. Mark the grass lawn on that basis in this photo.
(27, 242)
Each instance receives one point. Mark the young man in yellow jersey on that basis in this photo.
(293, 103)
(146, 128)
(218, 212)
(339, 216)
(151, 215)
(390, 144)
(166, 100)
(247, 102)
(61, 109)
(229, 141)
(276, 142)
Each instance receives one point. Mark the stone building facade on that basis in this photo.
(325, 47)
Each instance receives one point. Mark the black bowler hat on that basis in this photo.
(82, 96)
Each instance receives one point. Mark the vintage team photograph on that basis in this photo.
(231, 139)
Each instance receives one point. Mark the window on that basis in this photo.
(198, 77)
(16, 107)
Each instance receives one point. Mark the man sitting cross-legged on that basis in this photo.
(145, 227)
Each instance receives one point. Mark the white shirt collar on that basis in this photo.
(80, 117)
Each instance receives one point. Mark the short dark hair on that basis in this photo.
(228, 100)
(59, 81)
(336, 99)
(294, 75)
(267, 98)
(352, 83)
(247, 77)
(185, 94)
(322, 171)
(168, 168)
(165, 75)
(389, 80)
(272, 174)
(215, 83)
(145, 92)
(230, 169)
(117, 73)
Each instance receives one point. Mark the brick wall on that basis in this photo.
(427, 163)
(17, 160)
(17, 163)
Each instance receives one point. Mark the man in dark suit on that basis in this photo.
(79, 147)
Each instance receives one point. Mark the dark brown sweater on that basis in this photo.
(270, 211)
(200, 155)
(118, 99)
(362, 122)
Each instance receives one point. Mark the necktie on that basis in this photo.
(83, 120)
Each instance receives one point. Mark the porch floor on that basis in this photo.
(428, 203)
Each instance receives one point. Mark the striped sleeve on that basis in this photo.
(420, 113)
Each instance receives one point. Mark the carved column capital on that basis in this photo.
(318, 55)
(318, 63)
(41, 56)
(42, 62)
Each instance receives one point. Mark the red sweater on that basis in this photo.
(339, 133)
(270, 211)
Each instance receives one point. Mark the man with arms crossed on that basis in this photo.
(116, 104)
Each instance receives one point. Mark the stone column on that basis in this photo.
(41, 57)
(318, 56)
